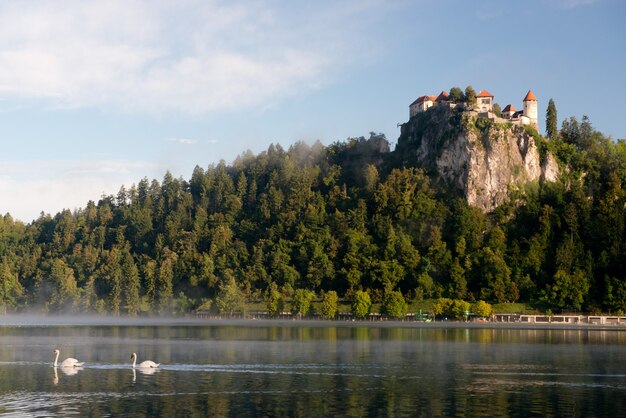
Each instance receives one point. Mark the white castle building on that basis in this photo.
(484, 107)
(422, 103)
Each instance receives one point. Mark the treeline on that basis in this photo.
(342, 218)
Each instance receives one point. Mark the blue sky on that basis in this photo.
(94, 95)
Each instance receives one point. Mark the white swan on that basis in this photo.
(68, 362)
(144, 364)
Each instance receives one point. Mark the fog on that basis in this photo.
(34, 320)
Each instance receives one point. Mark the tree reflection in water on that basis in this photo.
(304, 369)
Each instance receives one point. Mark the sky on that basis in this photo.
(99, 94)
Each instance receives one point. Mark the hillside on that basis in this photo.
(349, 216)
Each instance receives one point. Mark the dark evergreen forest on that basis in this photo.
(348, 217)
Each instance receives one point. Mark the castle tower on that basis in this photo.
(530, 108)
(484, 101)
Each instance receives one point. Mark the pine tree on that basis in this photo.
(470, 96)
(551, 121)
(132, 283)
(456, 95)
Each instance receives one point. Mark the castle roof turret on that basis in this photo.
(509, 108)
(484, 93)
(530, 96)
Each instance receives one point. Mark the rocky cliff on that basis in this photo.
(479, 158)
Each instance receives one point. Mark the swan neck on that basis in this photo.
(56, 357)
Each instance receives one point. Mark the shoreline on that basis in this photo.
(60, 321)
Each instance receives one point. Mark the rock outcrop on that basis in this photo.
(481, 159)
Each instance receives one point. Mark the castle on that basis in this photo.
(483, 107)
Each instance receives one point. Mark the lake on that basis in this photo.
(293, 368)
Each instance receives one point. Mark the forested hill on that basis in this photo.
(347, 217)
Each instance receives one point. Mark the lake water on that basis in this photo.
(310, 369)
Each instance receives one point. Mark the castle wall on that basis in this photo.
(425, 105)
(419, 107)
(530, 111)
(484, 104)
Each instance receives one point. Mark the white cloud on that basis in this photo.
(25, 193)
(193, 56)
(184, 141)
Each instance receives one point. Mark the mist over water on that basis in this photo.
(306, 369)
(95, 320)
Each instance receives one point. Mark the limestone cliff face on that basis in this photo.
(481, 159)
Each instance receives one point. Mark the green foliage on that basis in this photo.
(451, 308)
(459, 309)
(64, 292)
(329, 305)
(394, 305)
(552, 130)
(275, 300)
(458, 281)
(482, 309)
(301, 301)
(182, 304)
(10, 287)
(568, 290)
(482, 124)
(456, 95)
(361, 304)
(230, 298)
(349, 216)
(442, 306)
(205, 305)
(497, 110)
(425, 286)
(495, 274)
(131, 284)
(470, 96)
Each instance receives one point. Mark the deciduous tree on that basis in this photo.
(329, 305)
(230, 298)
(301, 301)
(361, 304)
(395, 305)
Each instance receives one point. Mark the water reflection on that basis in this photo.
(70, 371)
(67, 371)
(148, 371)
(285, 370)
(144, 371)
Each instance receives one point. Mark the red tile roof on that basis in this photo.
(443, 96)
(530, 96)
(484, 93)
(509, 108)
(423, 99)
